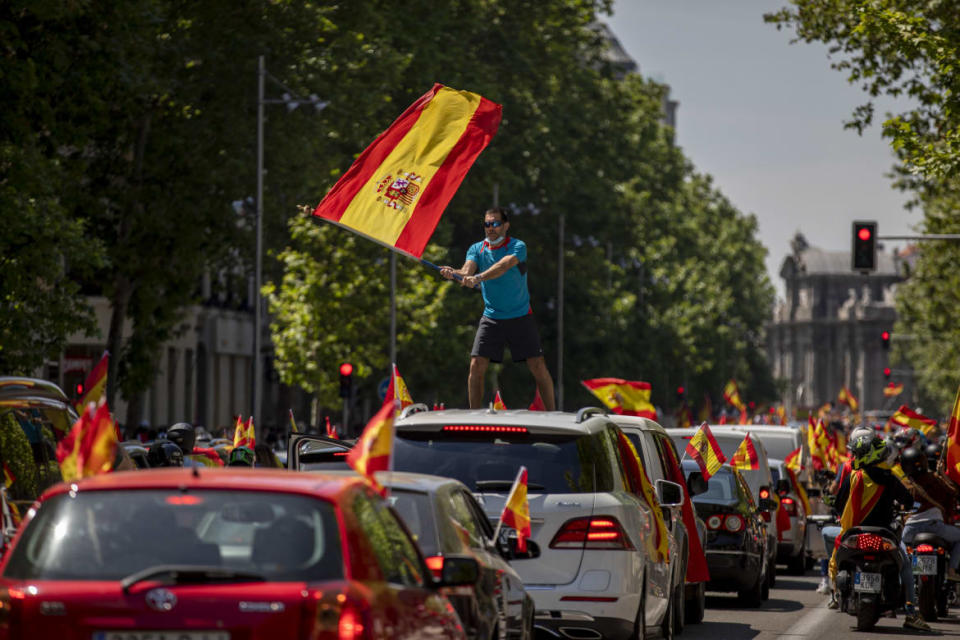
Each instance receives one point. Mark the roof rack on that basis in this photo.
(587, 412)
(417, 407)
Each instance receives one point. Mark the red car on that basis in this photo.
(195, 554)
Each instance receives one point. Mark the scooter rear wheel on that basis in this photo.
(867, 615)
(927, 599)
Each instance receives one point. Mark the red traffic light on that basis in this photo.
(346, 369)
(886, 372)
(79, 388)
(680, 391)
(885, 335)
(864, 233)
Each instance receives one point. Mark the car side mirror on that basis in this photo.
(507, 547)
(696, 483)
(783, 486)
(458, 571)
(669, 494)
(813, 493)
(766, 504)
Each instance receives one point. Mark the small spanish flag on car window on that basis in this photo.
(745, 457)
(397, 391)
(374, 448)
(703, 449)
(396, 191)
(516, 511)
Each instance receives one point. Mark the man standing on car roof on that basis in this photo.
(499, 265)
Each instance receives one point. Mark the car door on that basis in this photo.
(405, 604)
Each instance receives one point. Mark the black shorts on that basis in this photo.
(520, 334)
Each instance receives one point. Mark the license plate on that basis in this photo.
(161, 635)
(924, 565)
(867, 582)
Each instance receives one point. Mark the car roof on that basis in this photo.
(405, 480)
(586, 420)
(316, 483)
(644, 424)
(15, 390)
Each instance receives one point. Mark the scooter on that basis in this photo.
(929, 555)
(868, 574)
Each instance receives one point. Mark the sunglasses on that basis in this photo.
(496, 224)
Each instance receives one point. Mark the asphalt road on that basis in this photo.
(795, 610)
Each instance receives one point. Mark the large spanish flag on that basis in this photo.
(951, 455)
(704, 449)
(375, 446)
(697, 570)
(745, 457)
(95, 385)
(907, 418)
(731, 393)
(864, 496)
(625, 397)
(397, 189)
(516, 511)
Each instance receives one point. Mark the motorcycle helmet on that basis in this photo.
(867, 449)
(913, 461)
(906, 438)
(241, 457)
(183, 435)
(164, 453)
(933, 451)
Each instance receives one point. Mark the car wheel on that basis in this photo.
(679, 610)
(697, 605)
(772, 574)
(753, 595)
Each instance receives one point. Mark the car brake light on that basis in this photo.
(435, 564)
(924, 548)
(764, 493)
(714, 522)
(790, 506)
(484, 428)
(352, 624)
(591, 533)
(867, 542)
(733, 523)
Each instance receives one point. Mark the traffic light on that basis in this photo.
(885, 340)
(346, 379)
(864, 246)
(681, 395)
(79, 389)
(886, 373)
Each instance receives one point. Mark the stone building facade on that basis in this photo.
(827, 333)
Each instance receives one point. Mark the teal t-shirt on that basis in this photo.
(507, 296)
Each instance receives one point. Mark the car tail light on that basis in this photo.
(484, 428)
(603, 532)
(353, 624)
(764, 493)
(790, 506)
(714, 522)
(435, 564)
(924, 548)
(867, 542)
(733, 523)
(6, 608)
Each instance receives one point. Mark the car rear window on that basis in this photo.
(721, 488)
(579, 463)
(108, 535)
(416, 509)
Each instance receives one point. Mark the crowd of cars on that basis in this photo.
(314, 552)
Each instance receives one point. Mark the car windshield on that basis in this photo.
(721, 488)
(416, 509)
(108, 535)
(581, 463)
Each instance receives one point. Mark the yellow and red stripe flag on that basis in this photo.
(731, 393)
(91, 445)
(951, 456)
(498, 402)
(697, 570)
(516, 511)
(8, 477)
(630, 457)
(241, 431)
(331, 430)
(846, 397)
(537, 404)
(397, 189)
(864, 496)
(375, 447)
(818, 444)
(705, 451)
(746, 457)
(397, 391)
(907, 418)
(625, 397)
(892, 390)
(95, 384)
(293, 423)
(706, 410)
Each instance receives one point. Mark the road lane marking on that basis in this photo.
(807, 625)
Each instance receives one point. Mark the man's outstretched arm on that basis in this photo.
(499, 268)
(468, 269)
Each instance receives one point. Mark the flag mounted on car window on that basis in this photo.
(705, 451)
(625, 397)
(95, 384)
(374, 448)
(397, 391)
(516, 511)
(745, 457)
(397, 189)
(91, 445)
(641, 486)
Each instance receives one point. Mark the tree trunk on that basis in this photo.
(118, 315)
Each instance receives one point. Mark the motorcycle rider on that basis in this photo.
(937, 502)
(873, 483)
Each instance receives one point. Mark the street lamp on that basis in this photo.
(292, 101)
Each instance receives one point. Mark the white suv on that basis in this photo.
(598, 574)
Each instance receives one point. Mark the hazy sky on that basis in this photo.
(765, 118)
